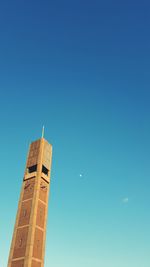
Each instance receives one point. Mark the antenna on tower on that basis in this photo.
(43, 132)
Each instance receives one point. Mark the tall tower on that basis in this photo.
(28, 242)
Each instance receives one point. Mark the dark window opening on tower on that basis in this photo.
(44, 170)
(32, 169)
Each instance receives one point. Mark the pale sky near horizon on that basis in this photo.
(81, 68)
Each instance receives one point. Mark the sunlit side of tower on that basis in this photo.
(28, 242)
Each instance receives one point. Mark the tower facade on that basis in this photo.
(28, 242)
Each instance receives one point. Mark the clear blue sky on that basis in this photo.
(81, 68)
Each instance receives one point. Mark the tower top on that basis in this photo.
(39, 153)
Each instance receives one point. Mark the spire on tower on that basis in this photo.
(43, 132)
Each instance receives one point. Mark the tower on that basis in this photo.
(28, 242)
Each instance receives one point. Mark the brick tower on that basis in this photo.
(28, 242)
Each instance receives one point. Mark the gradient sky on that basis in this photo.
(81, 68)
